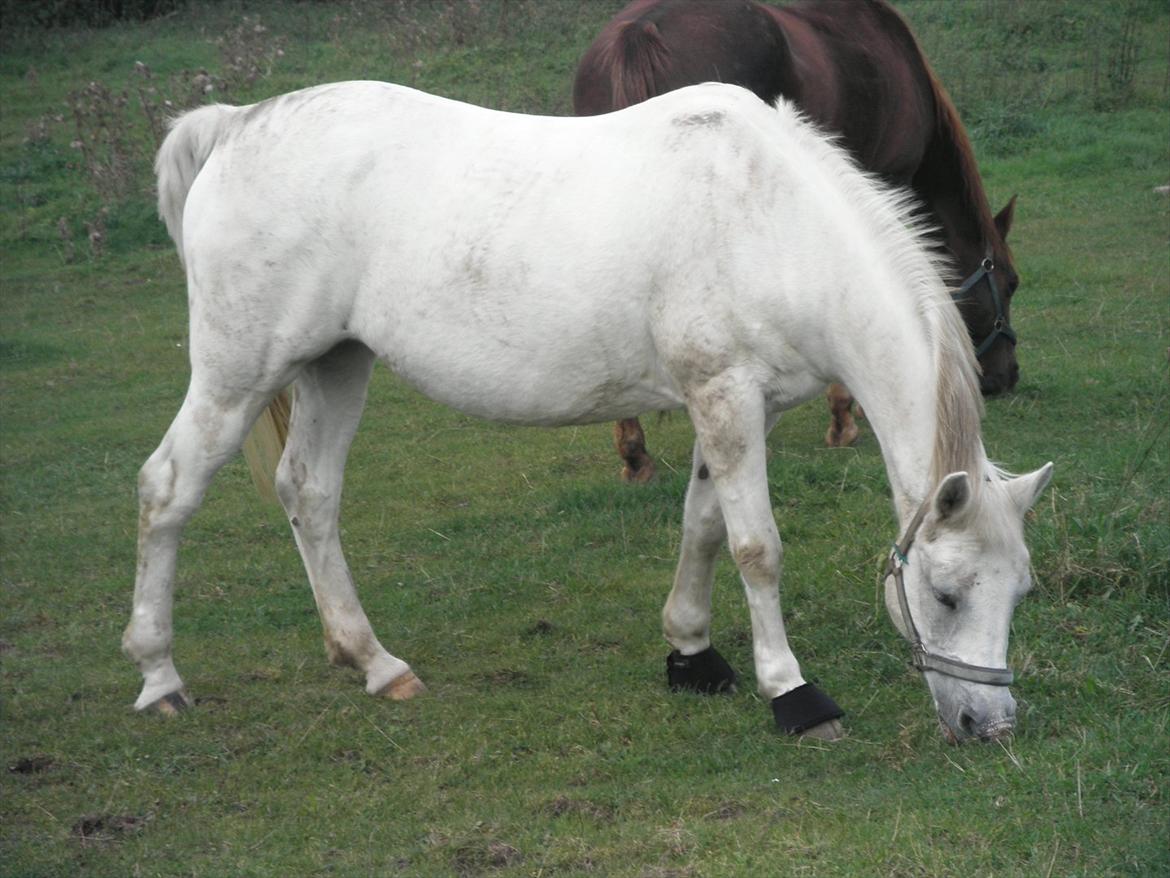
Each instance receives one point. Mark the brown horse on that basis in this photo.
(856, 69)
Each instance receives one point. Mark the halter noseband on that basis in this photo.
(1001, 326)
(923, 659)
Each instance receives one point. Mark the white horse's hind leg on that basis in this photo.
(330, 396)
(205, 434)
(730, 424)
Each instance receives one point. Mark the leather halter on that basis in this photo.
(1001, 326)
(923, 659)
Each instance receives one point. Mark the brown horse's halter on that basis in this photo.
(1001, 326)
(923, 659)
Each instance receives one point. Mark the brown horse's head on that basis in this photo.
(984, 296)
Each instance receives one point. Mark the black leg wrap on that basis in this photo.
(705, 672)
(802, 708)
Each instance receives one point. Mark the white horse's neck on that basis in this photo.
(922, 398)
(899, 342)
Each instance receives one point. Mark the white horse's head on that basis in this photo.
(964, 568)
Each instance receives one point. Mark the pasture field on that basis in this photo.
(510, 567)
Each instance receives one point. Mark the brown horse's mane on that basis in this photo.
(634, 54)
(964, 155)
(951, 141)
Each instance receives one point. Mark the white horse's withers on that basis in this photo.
(701, 249)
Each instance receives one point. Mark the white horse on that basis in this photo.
(701, 250)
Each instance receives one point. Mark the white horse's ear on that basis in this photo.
(952, 497)
(1025, 490)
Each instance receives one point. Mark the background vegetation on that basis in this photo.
(509, 566)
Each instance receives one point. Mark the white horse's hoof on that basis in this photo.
(402, 687)
(832, 730)
(171, 704)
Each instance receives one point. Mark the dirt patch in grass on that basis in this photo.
(102, 828)
(540, 628)
(479, 857)
(512, 677)
(32, 764)
(726, 811)
(563, 806)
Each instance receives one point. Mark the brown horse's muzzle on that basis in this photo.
(1000, 370)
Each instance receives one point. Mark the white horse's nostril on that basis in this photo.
(968, 723)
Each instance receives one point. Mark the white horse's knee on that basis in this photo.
(157, 482)
(758, 559)
(168, 493)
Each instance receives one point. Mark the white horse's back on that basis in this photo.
(530, 269)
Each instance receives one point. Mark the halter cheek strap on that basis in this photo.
(921, 657)
(1000, 327)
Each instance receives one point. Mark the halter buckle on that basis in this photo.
(918, 656)
(897, 559)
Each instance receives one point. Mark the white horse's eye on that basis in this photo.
(947, 600)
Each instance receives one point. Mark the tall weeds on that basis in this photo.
(114, 130)
(1038, 55)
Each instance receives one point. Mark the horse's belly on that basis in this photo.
(522, 358)
(529, 382)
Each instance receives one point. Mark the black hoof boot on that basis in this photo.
(804, 708)
(705, 672)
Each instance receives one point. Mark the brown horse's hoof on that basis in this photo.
(639, 471)
(832, 730)
(402, 687)
(171, 705)
(842, 438)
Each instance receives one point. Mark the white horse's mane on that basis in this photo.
(914, 253)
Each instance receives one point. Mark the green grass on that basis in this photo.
(523, 582)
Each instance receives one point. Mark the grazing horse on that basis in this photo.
(701, 250)
(855, 69)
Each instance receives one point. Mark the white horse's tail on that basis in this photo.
(265, 444)
(182, 156)
(185, 151)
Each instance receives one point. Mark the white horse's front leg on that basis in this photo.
(686, 619)
(728, 414)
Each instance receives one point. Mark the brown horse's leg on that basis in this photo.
(630, 442)
(842, 429)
